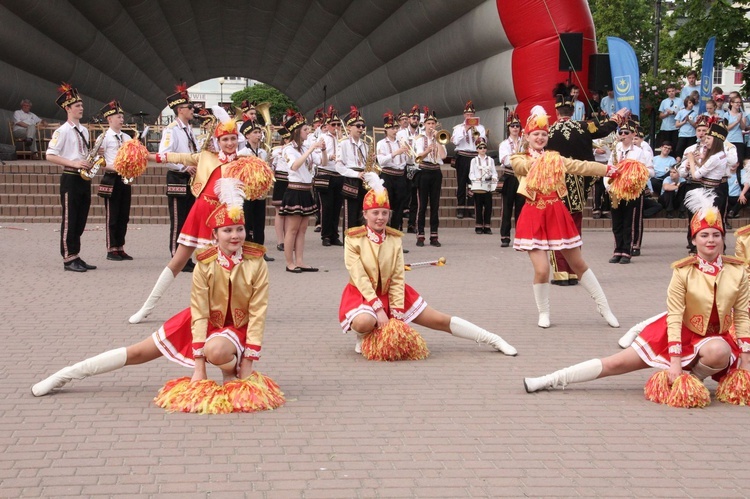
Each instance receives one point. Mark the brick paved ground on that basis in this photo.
(458, 424)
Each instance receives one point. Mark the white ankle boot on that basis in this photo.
(162, 284)
(629, 337)
(102, 363)
(541, 295)
(589, 282)
(585, 371)
(360, 339)
(464, 329)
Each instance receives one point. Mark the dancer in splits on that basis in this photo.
(694, 334)
(377, 290)
(231, 275)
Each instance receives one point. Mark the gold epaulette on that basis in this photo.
(732, 260)
(173, 124)
(343, 139)
(253, 250)
(592, 127)
(690, 260)
(742, 231)
(208, 254)
(357, 231)
(393, 232)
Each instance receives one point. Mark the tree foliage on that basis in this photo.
(631, 20)
(266, 93)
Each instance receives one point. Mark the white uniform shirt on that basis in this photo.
(278, 164)
(684, 168)
(508, 148)
(178, 137)
(386, 159)
(303, 174)
(351, 158)
(20, 116)
(421, 145)
(111, 145)
(249, 151)
(713, 168)
(481, 168)
(67, 143)
(464, 139)
(409, 136)
(331, 152)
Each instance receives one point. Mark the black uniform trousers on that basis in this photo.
(117, 211)
(638, 222)
(512, 204)
(255, 220)
(622, 227)
(413, 203)
(463, 166)
(75, 199)
(398, 195)
(179, 207)
(331, 201)
(429, 183)
(600, 201)
(353, 206)
(483, 209)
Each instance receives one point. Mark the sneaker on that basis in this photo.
(615, 259)
(280, 247)
(625, 260)
(318, 228)
(420, 242)
(114, 256)
(478, 230)
(336, 242)
(487, 230)
(326, 241)
(596, 215)
(411, 230)
(635, 252)
(74, 266)
(124, 255)
(504, 244)
(435, 242)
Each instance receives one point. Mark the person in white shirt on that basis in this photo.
(320, 127)
(298, 203)
(69, 148)
(409, 133)
(25, 125)
(643, 203)
(255, 209)
(281, 182)
(392, 160)
(622, 214)
(483, 170)
(329, 183)
(711, 168)
(178, 137)
(351, 159)
(512, 201)
(463, 137)
(249, 113)
(116, 193)
(430, 178)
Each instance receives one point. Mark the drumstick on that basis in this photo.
(432, 263)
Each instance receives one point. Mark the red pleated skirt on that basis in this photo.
(546, 224)
(195, 233)
(353, 304)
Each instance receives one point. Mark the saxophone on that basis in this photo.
(371, 164)
(93, 157)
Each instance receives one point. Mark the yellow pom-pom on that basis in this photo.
(394, 341)
(688, 392)
(547, 173)
(631, 178)
(734, 388)
(657, 388)
(131, 159)
(254, 393)
(254, 173)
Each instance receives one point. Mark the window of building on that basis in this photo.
(718, 74)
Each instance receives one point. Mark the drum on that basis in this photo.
(483, 186)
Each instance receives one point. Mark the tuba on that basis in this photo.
(93, 157)
(264, 109)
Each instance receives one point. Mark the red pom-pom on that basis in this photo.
(170, 392)
(734, 388)
(254, 393)
(688, 392)
(132, 159)
(254, 173)
(630, 180)
(202, 397)
(657, 388)
(394, 341)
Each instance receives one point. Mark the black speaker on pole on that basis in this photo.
(600, 75)
(571, 52)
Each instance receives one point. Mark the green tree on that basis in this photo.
(698, 20)
(266, 93)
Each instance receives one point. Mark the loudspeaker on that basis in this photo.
(600, 75)
(571, 52)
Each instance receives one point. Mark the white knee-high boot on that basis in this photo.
(585, 371)
(541, 295)
(102, 363)
(162, 284)
(629, 337)
(589, 282)
(464, 329)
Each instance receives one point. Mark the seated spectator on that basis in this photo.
(662, 164)
(685, 122)
(25, 124)
(670, 198)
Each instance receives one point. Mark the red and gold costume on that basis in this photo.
(229, 298)
(545, 223)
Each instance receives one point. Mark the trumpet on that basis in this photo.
(93, 157)
(410, 152)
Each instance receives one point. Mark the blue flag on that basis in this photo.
(626, 77)
(707, 74)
